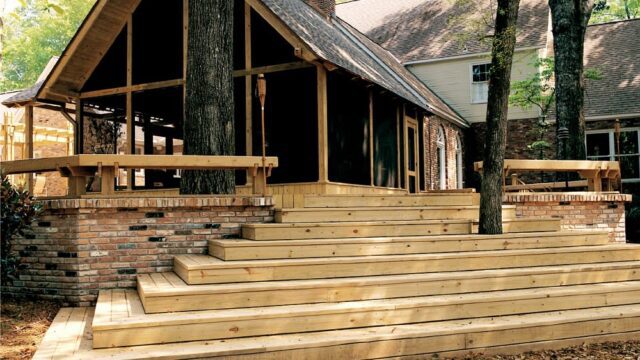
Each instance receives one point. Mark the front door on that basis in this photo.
(412, 156)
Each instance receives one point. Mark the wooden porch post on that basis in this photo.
(323, 143)
(371, 159)
(248, 88)
(28, 141)
(130, 139)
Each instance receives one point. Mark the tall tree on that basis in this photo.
(504, 43)
(208, 124)
(569, 24)
(33, 32)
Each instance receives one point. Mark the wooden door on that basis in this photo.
(411, 155)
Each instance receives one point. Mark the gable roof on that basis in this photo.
(335, 41)
(614, 50)
(329, 39)
(418, 30)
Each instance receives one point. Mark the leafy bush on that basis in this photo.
(18, 210)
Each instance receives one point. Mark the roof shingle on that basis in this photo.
(614, 50)
(416, 30)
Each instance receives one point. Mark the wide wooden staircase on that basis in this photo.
(368, 277)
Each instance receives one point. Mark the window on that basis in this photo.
(602, 145)
(459, 164)
(480, 83)
(442, 160)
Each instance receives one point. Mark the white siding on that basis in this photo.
(451, 80)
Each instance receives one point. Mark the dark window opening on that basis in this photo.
(111, 72)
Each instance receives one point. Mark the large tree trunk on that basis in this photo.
(570, 20)
(497, 111)
(208, 125)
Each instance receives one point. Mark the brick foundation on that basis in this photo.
(78, 247)
(578, 211)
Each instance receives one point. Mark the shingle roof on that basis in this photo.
(415, 30)
(30, 94)
(335, 41)
(614, 50)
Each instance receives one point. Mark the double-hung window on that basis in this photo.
(602, 145)
(480, 83)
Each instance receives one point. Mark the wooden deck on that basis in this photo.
(349, 282)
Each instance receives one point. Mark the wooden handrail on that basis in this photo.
(593, 171)
(79, 166)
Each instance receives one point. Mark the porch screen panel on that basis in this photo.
(385, 142)
(291, 125)
(348, 128)
(157, 41)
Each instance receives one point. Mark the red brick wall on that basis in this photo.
(78, 247)
(577, 211)
(431, 125)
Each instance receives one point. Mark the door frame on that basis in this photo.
(411, 123)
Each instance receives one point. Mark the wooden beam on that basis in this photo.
(132, 88)
(272, 68)
(323, 144)
(28, 135)
(371, 159)
(248, 102)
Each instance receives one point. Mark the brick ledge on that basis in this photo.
(565, 197)
(160, 202)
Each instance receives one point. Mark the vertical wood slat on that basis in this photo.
(323, 144)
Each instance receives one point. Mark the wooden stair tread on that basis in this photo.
(550, 326)
(203, 262)
(136, 317)
(354, 223)
(389, 208)
(393, 239)
(179, 287)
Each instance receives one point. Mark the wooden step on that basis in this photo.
(512, 334)
(333, 201)
(120, 321)
(314, 248)
(166, 292)
(385, 214)
(525, 225)
(354, 229)
(203, 269)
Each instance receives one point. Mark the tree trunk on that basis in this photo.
(569, 21)
(208, 125)
(497, 111)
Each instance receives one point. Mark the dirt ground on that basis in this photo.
(22, 326)
(24, 322)
(606, 351)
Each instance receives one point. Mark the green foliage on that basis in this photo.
(18, 211)
(539, 91)
(612, 10)
(472, 21)
(33, 33)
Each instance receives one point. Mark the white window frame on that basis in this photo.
(459, 164)
(441, 145)
(612, 147)
(471, 82)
